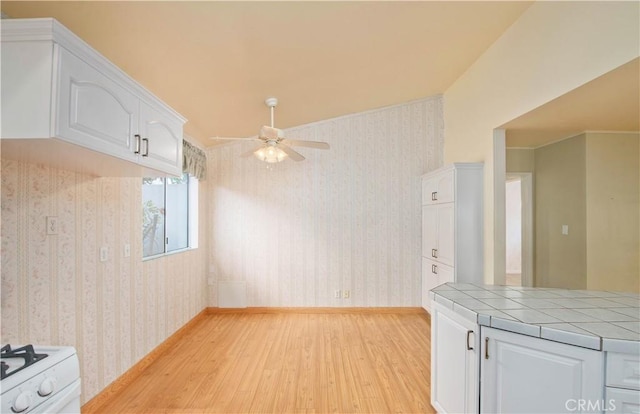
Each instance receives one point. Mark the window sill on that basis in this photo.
(171, 253)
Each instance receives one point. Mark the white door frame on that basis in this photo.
(526, 196)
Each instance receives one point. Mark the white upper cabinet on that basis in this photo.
(93, 110)
(64, 104)
(161, 139)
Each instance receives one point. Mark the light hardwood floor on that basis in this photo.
(289, 362)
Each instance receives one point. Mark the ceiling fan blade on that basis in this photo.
(308, 144)
(294, 155)
(250, 152)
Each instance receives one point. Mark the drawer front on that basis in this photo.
(623, 370)
(618, 400)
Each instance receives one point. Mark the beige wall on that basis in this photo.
(553, 48)
(347, 218)
(520, 160)
(55, 291)
(560, 194)
(613, 227)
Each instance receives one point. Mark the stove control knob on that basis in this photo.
(22, 402)
(47, 387)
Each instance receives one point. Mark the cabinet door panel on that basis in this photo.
(429, 231)
(94, 111)
(619, 400)
(428, 283)
(454, 367)
(523, 374)
(445, 187)
(446, 233)
(162, 141)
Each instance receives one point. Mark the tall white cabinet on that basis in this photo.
(452, 226)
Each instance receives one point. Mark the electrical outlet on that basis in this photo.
(52, 225)
(104, 253)
(127, 250)
(337, 294)
(346, 294)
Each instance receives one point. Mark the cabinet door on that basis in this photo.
(523, 374)
(92, 110)
(427, 284)
(445, 187)
(161, 135)
(623, 401)
(454, 362)
(446, 234)
(439, 188)
(429, 231)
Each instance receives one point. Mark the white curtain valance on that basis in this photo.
(194, 160)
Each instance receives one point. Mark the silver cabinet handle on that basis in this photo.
(434, 269)
(434, 196)
(137, 137)
(434, 253)
(486, 347)
(469, 347)
(146, 152)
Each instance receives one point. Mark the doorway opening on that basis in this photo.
(519, 229)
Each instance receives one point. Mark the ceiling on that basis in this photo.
(216, 62)
(608, 103)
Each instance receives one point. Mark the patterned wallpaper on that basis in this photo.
(55, 291)
(348, 218)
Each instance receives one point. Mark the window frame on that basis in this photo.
(192, 217)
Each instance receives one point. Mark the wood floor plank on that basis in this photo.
(288, 362)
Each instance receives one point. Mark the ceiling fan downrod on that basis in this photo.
(271, 103)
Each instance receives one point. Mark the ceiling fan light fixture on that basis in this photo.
(270, 154)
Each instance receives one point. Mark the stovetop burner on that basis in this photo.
(27, 353)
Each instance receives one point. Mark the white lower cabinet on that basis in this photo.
(523, 374)
(619, 400)
(623, 382)
(454, 361)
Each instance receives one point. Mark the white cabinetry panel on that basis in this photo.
(94, 111)
(618, 400)
(512, 365)
(161, 146)
(452, 225)
(65, 105)
(454, 362)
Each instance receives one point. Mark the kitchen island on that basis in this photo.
(523, 349)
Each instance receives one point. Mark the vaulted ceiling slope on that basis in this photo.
(216, 62)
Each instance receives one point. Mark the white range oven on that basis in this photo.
(39, 379)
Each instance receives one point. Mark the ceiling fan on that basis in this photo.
(274, 146)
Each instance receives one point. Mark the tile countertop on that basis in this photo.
(606, 321)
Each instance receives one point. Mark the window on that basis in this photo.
(169, 216)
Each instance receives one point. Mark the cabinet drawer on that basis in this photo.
(618, 400)
(623, 370)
